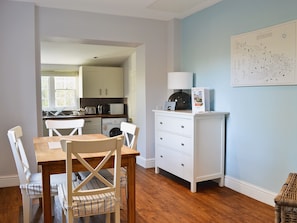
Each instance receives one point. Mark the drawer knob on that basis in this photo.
(161, 156)
(161, 138)
(182, 144)
(182, 127)
(182, 164)
(161, 123)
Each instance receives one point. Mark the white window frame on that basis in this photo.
(51, 92)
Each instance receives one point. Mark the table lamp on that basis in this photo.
(180, 81)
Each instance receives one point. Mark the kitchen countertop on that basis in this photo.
(83, 116)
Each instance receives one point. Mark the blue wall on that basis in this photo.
(261, 146)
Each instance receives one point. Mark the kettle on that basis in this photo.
(90, 110)
(103, 109)
(99, 109)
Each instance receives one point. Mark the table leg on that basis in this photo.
(47, 216)
(131, 207)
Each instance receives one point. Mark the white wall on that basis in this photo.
(23, 26)
(174, 45)
(151, 63)
(17, 82)
(130, 85)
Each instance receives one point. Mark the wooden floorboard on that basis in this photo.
(163, 198)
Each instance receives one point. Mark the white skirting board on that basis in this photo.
(250, 190)
(145, 163)
(9, 181)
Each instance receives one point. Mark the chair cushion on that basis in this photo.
(88, 205)
(34, 188)
(108, 175)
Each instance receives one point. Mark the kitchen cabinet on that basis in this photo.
(190, 146)
(101, 82)
(92, 125)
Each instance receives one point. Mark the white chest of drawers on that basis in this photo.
(190, 146)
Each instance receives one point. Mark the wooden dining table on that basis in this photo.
(52, 159)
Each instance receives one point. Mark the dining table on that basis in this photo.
(51, 160)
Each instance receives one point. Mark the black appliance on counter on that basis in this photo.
(104, 109)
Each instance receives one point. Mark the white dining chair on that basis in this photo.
(30, 183)
(130, 132)
(73, 125)
(94, 195)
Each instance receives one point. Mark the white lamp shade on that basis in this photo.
(180, 80)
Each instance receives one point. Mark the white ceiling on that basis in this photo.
(69, 53)
(61, 52)
(153, 9)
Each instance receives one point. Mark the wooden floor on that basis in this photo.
(163, 198)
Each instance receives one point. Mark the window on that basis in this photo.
(59, 92)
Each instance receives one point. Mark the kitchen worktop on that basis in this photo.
(83, 116)
(84, 102)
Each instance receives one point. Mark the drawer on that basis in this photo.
(181, 126)
(92, 121)
(180, 143)
(174, 162)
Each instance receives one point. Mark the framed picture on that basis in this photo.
(200, 99)
(265, 56)
(170, 105)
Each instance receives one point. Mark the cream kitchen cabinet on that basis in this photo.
(92, 126)
(190, 146)
(101, 82)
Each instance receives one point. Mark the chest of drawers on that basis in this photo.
(190, 146)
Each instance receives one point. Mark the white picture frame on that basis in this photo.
(265, 56)
(200, 99)
(169, 105)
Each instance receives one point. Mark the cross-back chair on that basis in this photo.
(130, 133)
(94, 195)
(73, 125)
(30, 183)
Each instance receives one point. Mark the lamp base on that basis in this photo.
(182, 99)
